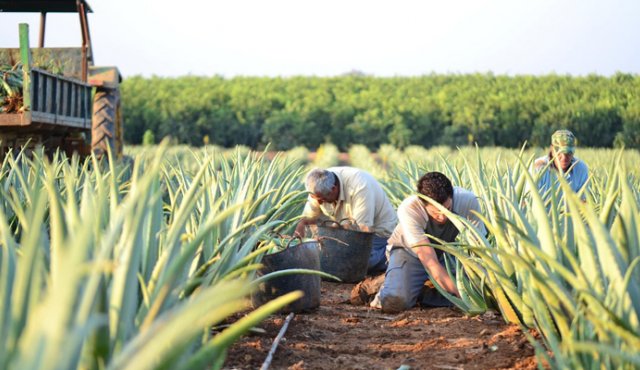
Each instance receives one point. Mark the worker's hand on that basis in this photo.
(348, 225)
(456, 292)
(301, 229)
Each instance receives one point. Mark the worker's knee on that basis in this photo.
(394, 304)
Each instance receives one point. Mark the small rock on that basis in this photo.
(297, 366)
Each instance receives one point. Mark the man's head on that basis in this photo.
(563, 145)
(438, 187)
(322, 185)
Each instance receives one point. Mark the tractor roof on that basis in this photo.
(41, 6)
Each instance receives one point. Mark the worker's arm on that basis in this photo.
(310, 216)
(300, 229)
(429, 259)
(366, 228)
(411, 219)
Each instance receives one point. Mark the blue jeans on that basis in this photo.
(404, 284)
(378, 257)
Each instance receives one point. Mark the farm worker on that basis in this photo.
(346, 192)
(411, 258)
(561, 161)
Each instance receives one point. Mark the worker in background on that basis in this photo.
(561, 161)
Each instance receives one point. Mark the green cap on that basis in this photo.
(563, 141)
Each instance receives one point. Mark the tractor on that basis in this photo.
(55, 97)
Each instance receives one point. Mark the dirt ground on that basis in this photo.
(340, 335)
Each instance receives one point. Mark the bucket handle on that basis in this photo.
(321, 239)
(289, 238)
(341, 224)
(294, 238)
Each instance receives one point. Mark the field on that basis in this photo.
(340, 335)
(128, 265)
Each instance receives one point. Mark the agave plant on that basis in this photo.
(552, 262)
(327, 156)
(102, 264)
(361, 157)
(10, 88)
(563, 266)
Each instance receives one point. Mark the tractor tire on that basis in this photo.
(106, 106)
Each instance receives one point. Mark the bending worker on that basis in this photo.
(412, 260)
(346, 192)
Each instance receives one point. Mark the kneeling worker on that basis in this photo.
(346, 192)
(411, 260)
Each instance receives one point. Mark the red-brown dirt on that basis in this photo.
(340, 335)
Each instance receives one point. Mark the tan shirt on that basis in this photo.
(414, 220)
(361, 198)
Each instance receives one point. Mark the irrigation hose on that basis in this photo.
(274, 346)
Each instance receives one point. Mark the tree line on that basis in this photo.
(427, 110)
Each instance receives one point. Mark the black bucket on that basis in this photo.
(347, 260)
(302, 256)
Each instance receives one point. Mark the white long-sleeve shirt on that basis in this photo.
(361, 198)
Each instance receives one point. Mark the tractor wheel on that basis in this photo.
(106, 106)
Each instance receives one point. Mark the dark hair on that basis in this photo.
(436, 186)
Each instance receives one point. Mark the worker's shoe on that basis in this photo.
(364, 292)
(375, 303)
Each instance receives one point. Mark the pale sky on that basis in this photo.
(331, 37)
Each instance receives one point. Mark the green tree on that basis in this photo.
(357, 109)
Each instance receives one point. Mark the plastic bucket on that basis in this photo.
(347, 260)
(302, 256)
